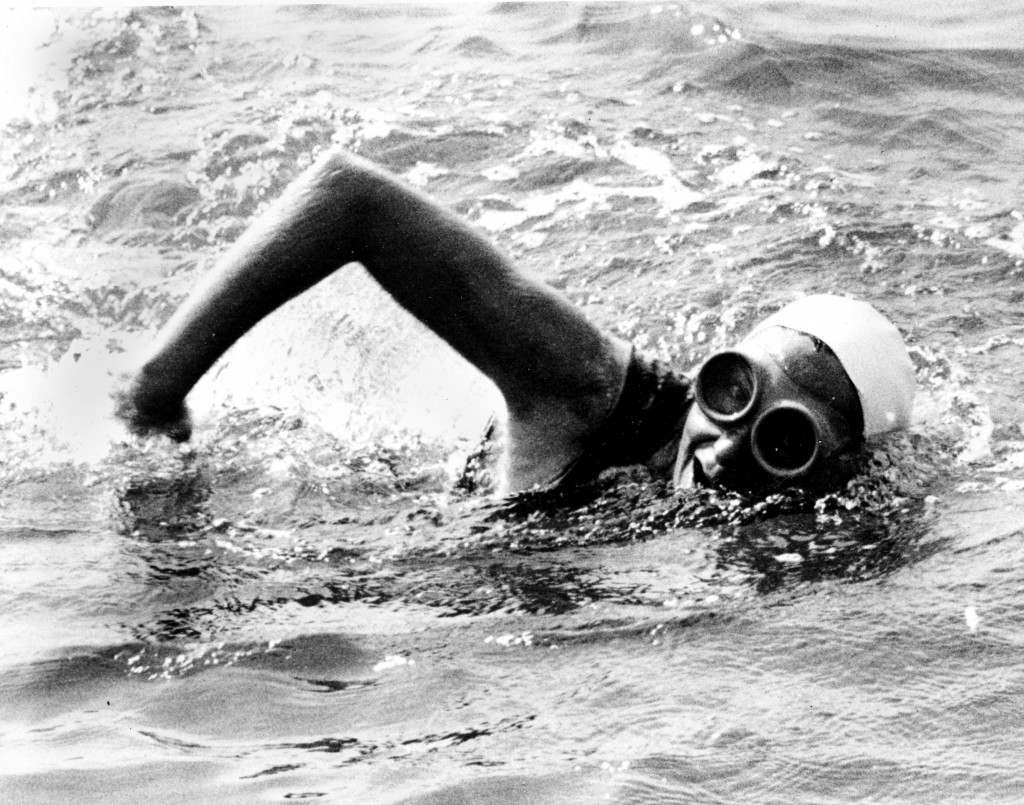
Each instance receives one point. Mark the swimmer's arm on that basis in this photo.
(559, 374)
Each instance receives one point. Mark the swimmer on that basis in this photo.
(791, 405)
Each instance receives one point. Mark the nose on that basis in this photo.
(726, 457)
(729, 448)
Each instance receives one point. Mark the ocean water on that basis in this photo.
(316, 600)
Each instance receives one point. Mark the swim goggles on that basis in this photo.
(791, 430)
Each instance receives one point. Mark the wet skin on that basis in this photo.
(559, 374)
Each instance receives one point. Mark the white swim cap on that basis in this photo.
(869, 347)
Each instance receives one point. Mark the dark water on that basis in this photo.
(309, 603)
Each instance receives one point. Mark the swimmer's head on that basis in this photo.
(793, 404)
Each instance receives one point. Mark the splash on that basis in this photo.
(62, 413)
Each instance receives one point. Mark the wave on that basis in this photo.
(785, 71)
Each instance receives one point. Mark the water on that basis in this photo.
(314, 601)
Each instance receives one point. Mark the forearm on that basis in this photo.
(307, 234)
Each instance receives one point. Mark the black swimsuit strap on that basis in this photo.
(649, 414)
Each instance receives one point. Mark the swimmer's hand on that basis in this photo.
(145, 419)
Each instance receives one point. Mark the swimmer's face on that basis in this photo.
(779, 411)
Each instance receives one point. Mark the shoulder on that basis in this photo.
(644, 421)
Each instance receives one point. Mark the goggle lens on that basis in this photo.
(785, 440)
(726, 386)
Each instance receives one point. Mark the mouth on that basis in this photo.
(702, 471)
(692, 475)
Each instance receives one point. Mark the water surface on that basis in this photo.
(314, 601)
